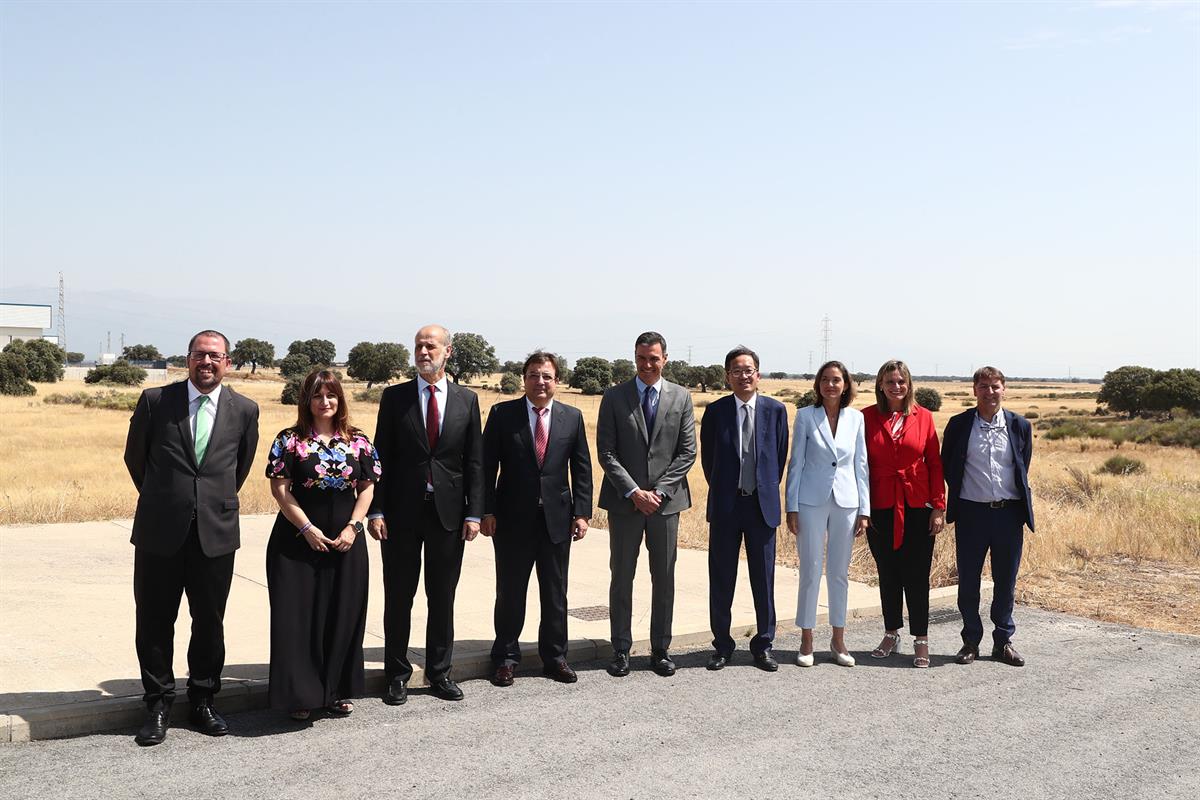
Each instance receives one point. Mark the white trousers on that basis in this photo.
(826, 534)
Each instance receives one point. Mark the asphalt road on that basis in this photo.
(1100, 710)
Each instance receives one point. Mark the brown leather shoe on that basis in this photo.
(503, 676)
(1009, 655)
(967, 653)
(560, 671)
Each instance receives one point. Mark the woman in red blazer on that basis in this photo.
(908, 505)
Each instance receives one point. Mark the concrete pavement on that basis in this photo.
(67, 660)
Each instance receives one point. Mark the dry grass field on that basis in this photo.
(1123, 549)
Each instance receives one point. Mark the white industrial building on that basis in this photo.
(24, 321)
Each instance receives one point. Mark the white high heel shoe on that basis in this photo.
(803, 660)
(841, 659)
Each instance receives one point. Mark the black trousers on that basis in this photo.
(401, 574)
(903, 573)
(724, 541)
(518, 552)
(978, 531)
(159, 583)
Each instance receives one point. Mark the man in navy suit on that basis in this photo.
(743, 447)
(533, 512)
(986, 454)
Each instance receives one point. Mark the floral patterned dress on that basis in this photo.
(318, 600)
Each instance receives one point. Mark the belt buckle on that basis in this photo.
(997, 503)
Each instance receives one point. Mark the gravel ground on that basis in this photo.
(1099, 710)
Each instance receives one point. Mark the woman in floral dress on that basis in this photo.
(322, 475)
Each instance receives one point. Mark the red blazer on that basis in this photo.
(908, 472)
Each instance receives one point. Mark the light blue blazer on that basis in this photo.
(822, 464)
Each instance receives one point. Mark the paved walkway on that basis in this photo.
(67, 660)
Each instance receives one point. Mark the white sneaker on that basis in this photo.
(803, 660)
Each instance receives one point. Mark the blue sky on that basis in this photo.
(952, 184)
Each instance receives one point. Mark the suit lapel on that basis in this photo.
(185, 428)
(632, 398)
(450, 411)
(414, 417)
(760, 427)
(224, 410)
(664, 394)
(823, 426)
(522, 420)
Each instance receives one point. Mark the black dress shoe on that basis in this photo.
(619, 666)
(662, 664)
(396, 694)
(205, 719)
(154, 729)
(1009, 655)
(446, 689)
(503, 676)
(559, 670)
(766, 662)
(717, 661)
(967, 653)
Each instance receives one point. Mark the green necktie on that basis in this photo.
(202, 428)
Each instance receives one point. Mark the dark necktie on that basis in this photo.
(746, 480)
(649, 410)
(432, 419)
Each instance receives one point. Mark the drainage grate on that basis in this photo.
(589, 613)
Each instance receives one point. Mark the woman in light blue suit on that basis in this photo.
(828, 503)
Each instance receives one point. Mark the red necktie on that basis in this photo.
(432, 419)
(539, 434)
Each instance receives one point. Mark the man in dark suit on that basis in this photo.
(189, 449)
(986, 453)
(430, 496)
(743, 447)
(646, 443)
(534, 512)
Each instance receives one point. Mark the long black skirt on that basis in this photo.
(318, 608)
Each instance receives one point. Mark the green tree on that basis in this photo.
(177, 361)
(592, 375)
(43, 359)
(253, 352)
(119, 372)
(74, 357)
(470, 356)
(14, 377)
(563, 371)
(141, 352)
(714, 377)
(1123, 386)
(928, 397)
(777, 375)
(1171, 389)
(290, 395)
(318, 351)
(295, 365)
(512, 368)
(510, 384)
(807, 399)
(376, 362)
(623, 370)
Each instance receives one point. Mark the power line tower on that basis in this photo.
(62, 315)
(122, 341)
(826, 336)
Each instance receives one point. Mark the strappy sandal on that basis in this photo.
(879, 652)
(341, 708)
(921, 662)
(300, 714)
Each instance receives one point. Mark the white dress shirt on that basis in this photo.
(989, 472)
(210, 408)
(423, 393)
(529, 409)
(741, 415)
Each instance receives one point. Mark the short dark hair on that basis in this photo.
(987, 374)
(651, 338)
(740, 350)
(847, 393)
(192, 341)
(540, 357)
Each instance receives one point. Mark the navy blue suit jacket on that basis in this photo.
(954, 457)
(722, 462)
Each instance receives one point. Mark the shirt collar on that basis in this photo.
(214, 396)
(423, 385)
(753, 399)
(529, 406)
(996, 420)
(642, 387)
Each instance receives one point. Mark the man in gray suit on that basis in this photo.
(189, 450)
(646, 443)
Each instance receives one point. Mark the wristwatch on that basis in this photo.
(357, 526)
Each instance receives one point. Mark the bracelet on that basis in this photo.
(300, 532)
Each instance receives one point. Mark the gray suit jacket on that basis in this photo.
(172, 488)
(631, 460)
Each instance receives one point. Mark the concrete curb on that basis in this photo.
(116, 713)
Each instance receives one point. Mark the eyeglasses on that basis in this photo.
(200, 355)
(742, 373)
(540, 376)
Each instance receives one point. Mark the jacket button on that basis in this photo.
(834, 464)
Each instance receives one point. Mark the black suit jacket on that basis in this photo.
(722, 461)
(954, 457)
(456, 464)
(508, 449)
(172, 488)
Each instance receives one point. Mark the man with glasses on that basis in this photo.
(743, 447)
(533, 512)
(986, 453)
(189, 449)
